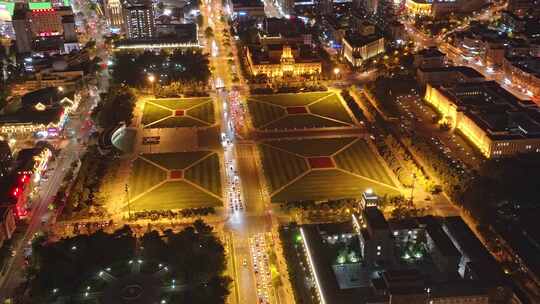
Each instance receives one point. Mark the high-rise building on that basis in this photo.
(68, 27)
(23, 32)
(114, 14)
(325, 7)
(31, 22)
(139, 19)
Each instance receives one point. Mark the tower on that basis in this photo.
(287, 61)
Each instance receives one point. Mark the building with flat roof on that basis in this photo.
(362, 44)
(448, 75)
(139, 19)
(523, 71)
(358, 281)
(284, 31)
(247, 9)
(429, 58)
(376, 244)
(445, 256)
(495, 121)
(441, 8)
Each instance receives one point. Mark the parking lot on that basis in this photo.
(418, 117)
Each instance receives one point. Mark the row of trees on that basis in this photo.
(116, 107)
(84, 195)
(194, 257)
(169, 214)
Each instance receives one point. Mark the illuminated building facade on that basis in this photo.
(441, 8)
(114, 14)
(43, 114)
(42, 21)
(524, 72)
(282, 60)
(362, 44)
(7, 224)
(16, 189)
(495, 121)
(139, 19)
(448, 75)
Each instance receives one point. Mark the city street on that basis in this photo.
(72, 149)
(248, 213)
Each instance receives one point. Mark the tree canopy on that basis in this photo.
(132, 69)
(195, 257)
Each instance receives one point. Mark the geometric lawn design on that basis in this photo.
(178, 112)
(322, 169)
(298, 111)
(167, 181)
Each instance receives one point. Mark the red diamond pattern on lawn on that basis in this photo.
(321, 162)
(179, 113)
(176, 174)
(296, 110)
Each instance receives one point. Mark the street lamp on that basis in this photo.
(152, 79)
(336, 72)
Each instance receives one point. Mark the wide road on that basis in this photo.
(249, 213)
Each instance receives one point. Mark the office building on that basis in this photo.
(376, 243)
(523, 71)
(492, 119)
(114, 14)
(362, 44)
(448, 75)
(139, 19)
(278, 60)
(429, 58)
(441, 8)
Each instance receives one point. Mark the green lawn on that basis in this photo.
(204, 112)
(328, 184)
(176, 161)
(292, 99)
(269, 111)
(144, 175)
(280, 167)
(178, 122)
(313, 147)
(201, 168)
(302, 121)
(360, 159)
(358, 168)
(174, 195)
(153, 113)
(180, 103)
(332, 107)
(263, 113)
(206, 174)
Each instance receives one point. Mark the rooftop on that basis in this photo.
(355, 39)
(375, 218)
(442, 241)
(247, 3)
(495, 110)
(467, 71)
(431, 52)
(528, 64)
(32, 116)
(49, 96)
(283, 27)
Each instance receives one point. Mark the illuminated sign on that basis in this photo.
(39, 5)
